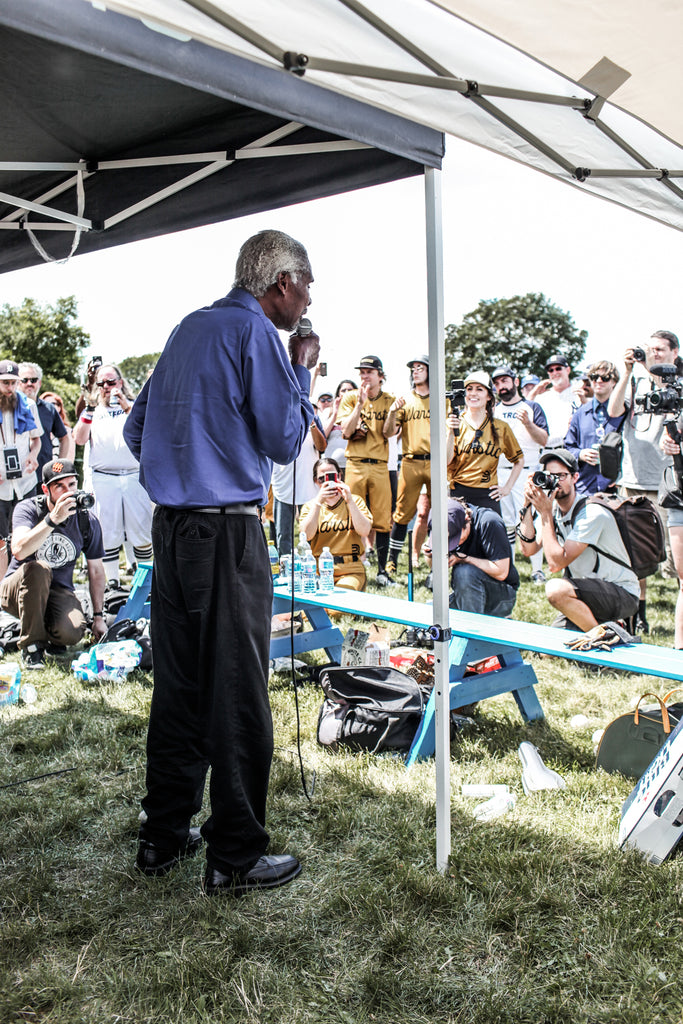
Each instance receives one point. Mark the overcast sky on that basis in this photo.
(507, 230)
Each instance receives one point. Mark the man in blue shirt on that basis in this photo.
(223, 403)
(30, 380)
(589, 426)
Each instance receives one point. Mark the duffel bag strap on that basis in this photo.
(665, 714)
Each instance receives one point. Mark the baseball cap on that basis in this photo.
(418, 359)
(370, 363)
(503, 371)
(324, 394)
(556, 360)
(456, 522)
(8, 370)
(479, 377)
(530, 378)
(562, 455)
(57, 469)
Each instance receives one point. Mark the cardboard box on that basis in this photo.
(353, 648)
(652, 816)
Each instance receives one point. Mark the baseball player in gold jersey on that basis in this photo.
(411, 416)
(362, 415)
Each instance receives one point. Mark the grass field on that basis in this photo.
(540, 917)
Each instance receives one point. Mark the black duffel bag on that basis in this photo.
(369, 708)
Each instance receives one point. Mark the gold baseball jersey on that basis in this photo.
(335, 529)
(373, 414)
(475, 463)
(413, 419)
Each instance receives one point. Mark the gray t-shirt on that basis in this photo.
(596, 525)
(644, 461)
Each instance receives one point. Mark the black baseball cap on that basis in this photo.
(562, 455)
(418, 359)
(57, 469)
(503, 371)
(370, 363)
(556, 360)
(9, 370)
(457, 517)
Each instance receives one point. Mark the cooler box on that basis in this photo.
(652, 816)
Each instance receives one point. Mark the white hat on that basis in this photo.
(479, 377)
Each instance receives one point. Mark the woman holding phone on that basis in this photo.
(338, 520)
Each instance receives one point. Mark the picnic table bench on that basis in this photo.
(473, 638)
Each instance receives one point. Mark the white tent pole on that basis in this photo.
(437, 390)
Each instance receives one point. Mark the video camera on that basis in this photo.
(456, 397)
(666, 399)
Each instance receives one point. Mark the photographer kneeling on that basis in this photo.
(596, 588)
(48, 534)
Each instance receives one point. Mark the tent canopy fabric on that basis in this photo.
(130, 133)
(587, 93)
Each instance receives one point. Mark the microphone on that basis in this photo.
(304, 327)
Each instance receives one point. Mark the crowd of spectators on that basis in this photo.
(510, 425)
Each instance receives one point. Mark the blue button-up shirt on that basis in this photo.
(588, 426)
(223, 403)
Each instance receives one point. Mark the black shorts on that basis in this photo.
(6, 510)
(607, 601)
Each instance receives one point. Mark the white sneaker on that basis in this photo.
(538, 577)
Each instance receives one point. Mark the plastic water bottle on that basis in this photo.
(310, 575)
(298, 571)
(326, 567)
(274, 561)
(500, 804)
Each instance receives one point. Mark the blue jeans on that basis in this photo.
(473, 590)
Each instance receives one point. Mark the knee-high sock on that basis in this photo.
(382, 545)
(396, 539)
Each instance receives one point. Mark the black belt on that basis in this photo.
(373, 462)
(338, 559)
(239, 509)
(421, 458)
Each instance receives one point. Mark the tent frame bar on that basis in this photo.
(214, 161)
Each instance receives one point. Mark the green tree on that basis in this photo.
(522, 331)
(44, 334)
(136, 369)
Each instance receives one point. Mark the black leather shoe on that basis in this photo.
(267, 873)
(158, 860)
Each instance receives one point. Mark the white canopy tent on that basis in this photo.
(584, 94)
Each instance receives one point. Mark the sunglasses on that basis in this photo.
(107, 383)
(604, 377)
(556, 369)
(30, 380)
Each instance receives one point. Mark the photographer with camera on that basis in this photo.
(21, 431)
(580, 539)
(644, 460)
(48, 535)
(338, 520)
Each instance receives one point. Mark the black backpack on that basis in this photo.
(640, 527)
(369, 708)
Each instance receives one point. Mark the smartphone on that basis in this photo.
(323, 369)
(330, 478)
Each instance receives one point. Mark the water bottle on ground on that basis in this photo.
(326, 567)
(310, 575)
(274, 561)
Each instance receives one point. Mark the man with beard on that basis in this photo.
(582, 539)
(530, 427)
(20, 431)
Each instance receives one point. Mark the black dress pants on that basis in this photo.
(211, 612)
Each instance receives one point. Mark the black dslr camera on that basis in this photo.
(84, 500)
(546, 481)
(666, 399)
(456, 397)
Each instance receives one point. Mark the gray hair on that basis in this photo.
(31, 366)
(264, 256)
